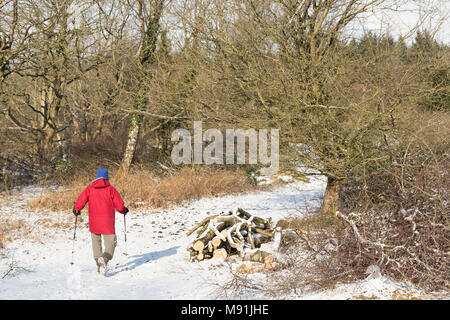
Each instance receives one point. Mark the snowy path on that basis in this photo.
(156, 266)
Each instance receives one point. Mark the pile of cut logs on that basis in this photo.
(226, 234)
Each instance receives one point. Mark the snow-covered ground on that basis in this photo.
(153, 263)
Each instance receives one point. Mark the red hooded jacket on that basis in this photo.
(103, 200)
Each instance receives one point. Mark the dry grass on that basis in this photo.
(145, 189)
(11, 229)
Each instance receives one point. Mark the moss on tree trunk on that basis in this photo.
(330, 203)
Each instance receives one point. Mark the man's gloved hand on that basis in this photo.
(76, 213)
(126, 211)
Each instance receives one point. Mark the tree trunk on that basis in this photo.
(99, 127)
(45, 143)
(131, 145)
(330, 203)
(150, 27)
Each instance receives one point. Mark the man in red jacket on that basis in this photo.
(103, 200)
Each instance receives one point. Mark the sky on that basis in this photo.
(401, 18)
(406, 17)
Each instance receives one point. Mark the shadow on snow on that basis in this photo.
(140, 259)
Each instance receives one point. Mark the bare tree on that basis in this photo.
(282, 61)
(149, 15)
(65, 45)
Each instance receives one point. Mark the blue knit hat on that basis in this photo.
(102, 173)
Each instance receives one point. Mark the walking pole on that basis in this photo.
(73, 241)
(125, 226)
(125, 232)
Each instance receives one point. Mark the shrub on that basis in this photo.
(143, 188)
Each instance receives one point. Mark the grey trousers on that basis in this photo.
(110, 241)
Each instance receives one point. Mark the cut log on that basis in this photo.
(210, 246)
(216, 242)
(264, 232)
(224, 232)
(199, 245)
(202, 229)
(250, 237)
(270, 263)
(224, 235)
(240, 226)
(220, 253)
(256, 220)
(198, 225)
(257, 256)
(234, 241)
(260, 239)
(230, 219)
(249, 267)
